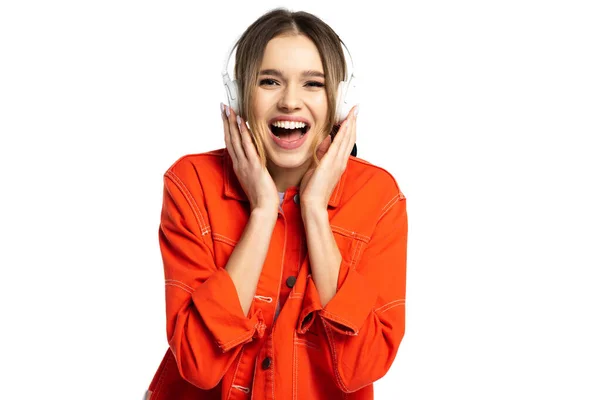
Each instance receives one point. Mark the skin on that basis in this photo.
(292, 93)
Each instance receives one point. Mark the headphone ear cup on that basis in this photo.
(233, 98)
(347, 97)
(341, 109)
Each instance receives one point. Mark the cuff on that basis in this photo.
(219, 306)
(350, 306)
(310, 304)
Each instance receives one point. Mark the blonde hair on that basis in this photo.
(249, 54)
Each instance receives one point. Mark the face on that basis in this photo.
(291, 86)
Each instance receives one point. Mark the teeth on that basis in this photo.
(289, 124)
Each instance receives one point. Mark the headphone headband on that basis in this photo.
(225, 73)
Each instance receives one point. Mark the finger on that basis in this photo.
(342, 138)
(351, 134)
(228, 141)
(247, 143)
(330, 155)
(341, 153)
(323, 147)
(236, 140)
(346, 144)
(340, 134)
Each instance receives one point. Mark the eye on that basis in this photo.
(265, 81)
(271, 82)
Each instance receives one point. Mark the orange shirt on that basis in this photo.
(308, 351)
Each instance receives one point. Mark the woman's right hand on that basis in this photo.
(253, 177)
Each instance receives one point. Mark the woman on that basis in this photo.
(284, 256)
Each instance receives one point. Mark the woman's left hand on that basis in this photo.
(318, 183)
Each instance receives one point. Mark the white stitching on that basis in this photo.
(351, 233)
(242, 337)
(395, 199)
(334, 355)
(307, 343)
(300, 259)
(354, 253)
(364, 238)
(236, 370)
(186, 193)
(254, 377)
(285, 238)
(264, 298)
(294, 293)
(204, 228)
(181, 283)
(340, 320)
(223, 238)
(392, 199)
(179, 286)
(361, 244)
(295, 369)
(391, 302)
(273, 369)
(242, 388)
(388, 206)
(392, 306)
(342, 231)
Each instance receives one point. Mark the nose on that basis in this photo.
(289, 99)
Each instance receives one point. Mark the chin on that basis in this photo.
(289, 159)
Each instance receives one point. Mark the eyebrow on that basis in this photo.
(278, 73)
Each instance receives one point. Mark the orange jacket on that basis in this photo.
(308, 351)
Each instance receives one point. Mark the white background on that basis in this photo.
(486, 113)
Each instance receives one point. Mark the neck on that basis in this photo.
(285, 178)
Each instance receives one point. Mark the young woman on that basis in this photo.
(284, 256)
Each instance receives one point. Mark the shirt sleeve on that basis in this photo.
(365, 319)
(206, 325)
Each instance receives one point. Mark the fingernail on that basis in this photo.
(239, 121)
(356, 110)
(222, 107)
(227, 111)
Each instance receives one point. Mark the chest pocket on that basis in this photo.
(223, 247)
(351, 244)
(312, 366)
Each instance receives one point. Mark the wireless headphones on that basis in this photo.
(347, 94)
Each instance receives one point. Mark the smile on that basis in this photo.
(289, 135)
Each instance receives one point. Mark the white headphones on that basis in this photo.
(347, 95)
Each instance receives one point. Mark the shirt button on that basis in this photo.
(290, 281)
(297, 198)
(266, 363)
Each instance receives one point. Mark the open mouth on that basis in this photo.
(292, 133)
